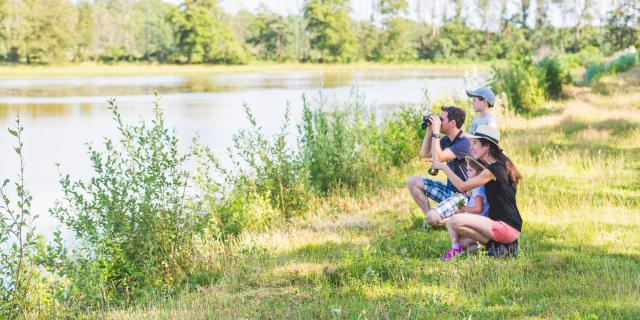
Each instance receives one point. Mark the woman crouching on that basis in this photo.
(500, 178)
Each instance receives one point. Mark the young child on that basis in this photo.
(482, 99)
(477, 201)
(476, 204)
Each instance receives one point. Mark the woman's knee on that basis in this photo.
(457, 221)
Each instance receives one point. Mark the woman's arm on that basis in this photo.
(463, 186)
(477, 208)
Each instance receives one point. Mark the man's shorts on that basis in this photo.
(448, 199)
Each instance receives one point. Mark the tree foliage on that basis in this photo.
(201, 37)
(199, 31)
(330, 31)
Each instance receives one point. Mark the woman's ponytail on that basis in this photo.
(512, 171)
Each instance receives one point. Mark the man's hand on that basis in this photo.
(435, 122)
(437, 164)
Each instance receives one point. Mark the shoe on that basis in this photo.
(499, 250)
(452, 253)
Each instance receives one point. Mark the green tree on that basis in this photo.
(330, 32)
(397, 41)
(46, 30)
(84, 31)
(270, 34)
(152, 30)
(201, 37)
(114, 30)
(620, 24)
(368, 38)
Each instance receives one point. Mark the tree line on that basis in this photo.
(199, 31)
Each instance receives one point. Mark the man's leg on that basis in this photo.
(415, 185)
(446, 208)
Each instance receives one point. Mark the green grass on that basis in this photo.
(368, 257)
(126, 69)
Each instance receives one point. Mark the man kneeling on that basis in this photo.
(451, 148)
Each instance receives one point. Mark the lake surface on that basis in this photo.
(60, 116)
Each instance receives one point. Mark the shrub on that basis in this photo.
(586, 56)
(27, 289)
(401, 135)
(130, 216)
(277, 170)
(339, 147)
(620, 64)
(267, 182)
(519, 81)
(552, 77)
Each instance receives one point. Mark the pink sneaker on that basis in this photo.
(452, 253)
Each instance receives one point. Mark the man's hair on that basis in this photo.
(455, 113)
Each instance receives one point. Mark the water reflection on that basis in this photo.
(37, 110)
(12, 90)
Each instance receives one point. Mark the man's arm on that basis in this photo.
(439, 154)
(426, 143)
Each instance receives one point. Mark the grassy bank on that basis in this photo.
(124, 69)
(368, 257)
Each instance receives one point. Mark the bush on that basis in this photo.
(27, 289)
(267, 183)
(130, 216)
(552, 77)
(586, 56)
(339, 148)
(401, 136)
(277, 170)
(518, 79)
(620, 64)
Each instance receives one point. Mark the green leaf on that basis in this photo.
(4, 184)
(13, 132)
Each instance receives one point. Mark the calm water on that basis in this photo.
(60, 116)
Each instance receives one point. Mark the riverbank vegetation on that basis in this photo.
(200, 32)
(320, 226)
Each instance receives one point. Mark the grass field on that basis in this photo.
(369, 257)
(137, 69)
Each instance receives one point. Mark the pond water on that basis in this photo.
(60, 116)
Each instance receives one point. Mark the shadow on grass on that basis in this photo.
(400, 271)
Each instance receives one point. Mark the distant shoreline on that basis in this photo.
(126, 69)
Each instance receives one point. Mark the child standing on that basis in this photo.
(476, 204)
(482, 100)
